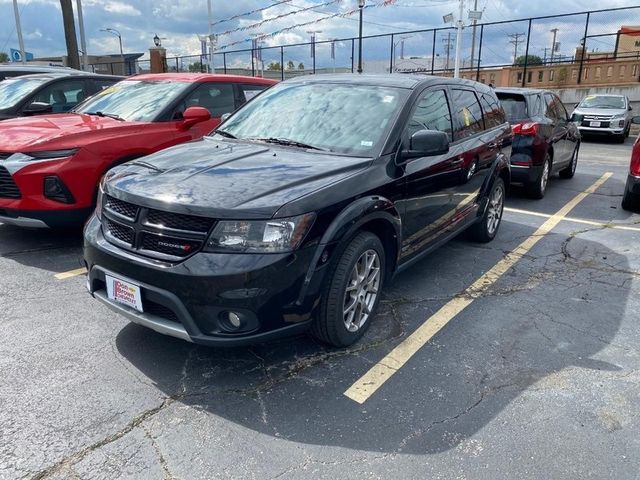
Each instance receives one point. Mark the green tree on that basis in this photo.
(4, 57)
(274, 66)
(531, 60)
(290, 65)
(301, 66)
(195, 67)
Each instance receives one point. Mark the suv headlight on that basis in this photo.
(278, 235)
(19, 160)
(618, 116)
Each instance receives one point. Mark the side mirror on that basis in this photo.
(194, 115)
(576, 105)
(630, 108)
(225, 116)
(426, 143)
(636, 120)
(37, 108)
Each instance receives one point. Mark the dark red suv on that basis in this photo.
(50, 165)
(545, 140)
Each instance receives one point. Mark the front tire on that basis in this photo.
(538, 188)
(486, 229)
(570, 171)
(352, 292)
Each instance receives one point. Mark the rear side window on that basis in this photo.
(431, 113)
(218, 98)
(468, 114)
(514, 105)
(250, 91)
(63, 95)
(493, 113)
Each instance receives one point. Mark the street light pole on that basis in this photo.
(115, 32)
(83, 40)
(361, 7)
(553, 44)
(456, 72)
(16, 11)
(210, 16)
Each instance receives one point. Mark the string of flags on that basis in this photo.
(382, 3)
(257, 10)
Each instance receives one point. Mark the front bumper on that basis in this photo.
(189, 300)
(602, 130)
(43, 219)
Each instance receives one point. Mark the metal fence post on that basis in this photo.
(433, 51)
(526, 55)
(253, 63)
(479, 53)
(224, 61)
(584, 48)
(353, 51)
(391, 56)
(177, 65)
(282, 63)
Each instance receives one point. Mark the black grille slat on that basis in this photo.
(161, 311)
(179, 221)
(120, 232)
(123, 208)
(8, 188)
(177, 247)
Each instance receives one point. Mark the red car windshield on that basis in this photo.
(134, 100)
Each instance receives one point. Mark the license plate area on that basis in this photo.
(594, 124)
(125, 293)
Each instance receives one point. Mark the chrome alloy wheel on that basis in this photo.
(545, 177)
(494, 215)
(362, 291)
(574, 161)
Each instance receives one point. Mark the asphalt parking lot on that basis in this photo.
(531, 373)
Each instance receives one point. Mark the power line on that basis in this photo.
(257, 10)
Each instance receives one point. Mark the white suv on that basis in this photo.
(604, 115)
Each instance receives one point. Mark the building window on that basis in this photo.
(540, 75)
(492, 77)
(634, 72)
(598, 72)
(623, 70)
(519, 76)
(610, 71)
(574, 74)
(552, 75)
(529, 76)
(586, 73)
(483, 80)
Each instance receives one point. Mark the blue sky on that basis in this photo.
(179, 21)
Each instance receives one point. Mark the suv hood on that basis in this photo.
(605, 112)
(228, 179)
(62, 130)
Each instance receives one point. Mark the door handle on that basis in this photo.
(493, 145)
(458, 162)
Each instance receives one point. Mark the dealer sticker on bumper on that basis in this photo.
(124, 292)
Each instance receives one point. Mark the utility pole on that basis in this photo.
(211, 37)
(83, 41)
(456, 71)
(447, 48)
(16, 11)
(516, 41)
(553, 44)
(474, 24)
(70, 34)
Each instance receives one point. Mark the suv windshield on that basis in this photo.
(134, 100)
(596, 101)
(342, 118)
(14, 90)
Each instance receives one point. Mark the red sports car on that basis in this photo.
(50, 165)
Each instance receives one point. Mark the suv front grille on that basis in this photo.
(8, 188)
(154, 233)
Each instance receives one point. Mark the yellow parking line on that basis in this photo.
(371, 381)
(575, 220)
(70, 273)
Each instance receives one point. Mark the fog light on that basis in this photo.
(234, 320)
(56, 190)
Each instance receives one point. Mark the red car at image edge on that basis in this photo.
(631, 197)
(50, 165)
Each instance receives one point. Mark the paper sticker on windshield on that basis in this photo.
(388, 99)
(366, 144)
(590, 97)
(109, 90)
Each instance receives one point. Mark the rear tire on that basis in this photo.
(352, 292)
(630, 201)
(570, 171)
(538, 188)
(486, 229)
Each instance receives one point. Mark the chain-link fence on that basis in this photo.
(591, 47)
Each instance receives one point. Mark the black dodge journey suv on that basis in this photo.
(297, 211)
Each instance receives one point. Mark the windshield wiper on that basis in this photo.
(225, 134)
(109, 115)
(289, 143)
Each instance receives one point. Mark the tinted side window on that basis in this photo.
(218, 98)
(431, 113)
(468, 112)
(250, 91)
(63, 96)
(493, 114)
(551, 111)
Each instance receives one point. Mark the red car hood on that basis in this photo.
(67, 130)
